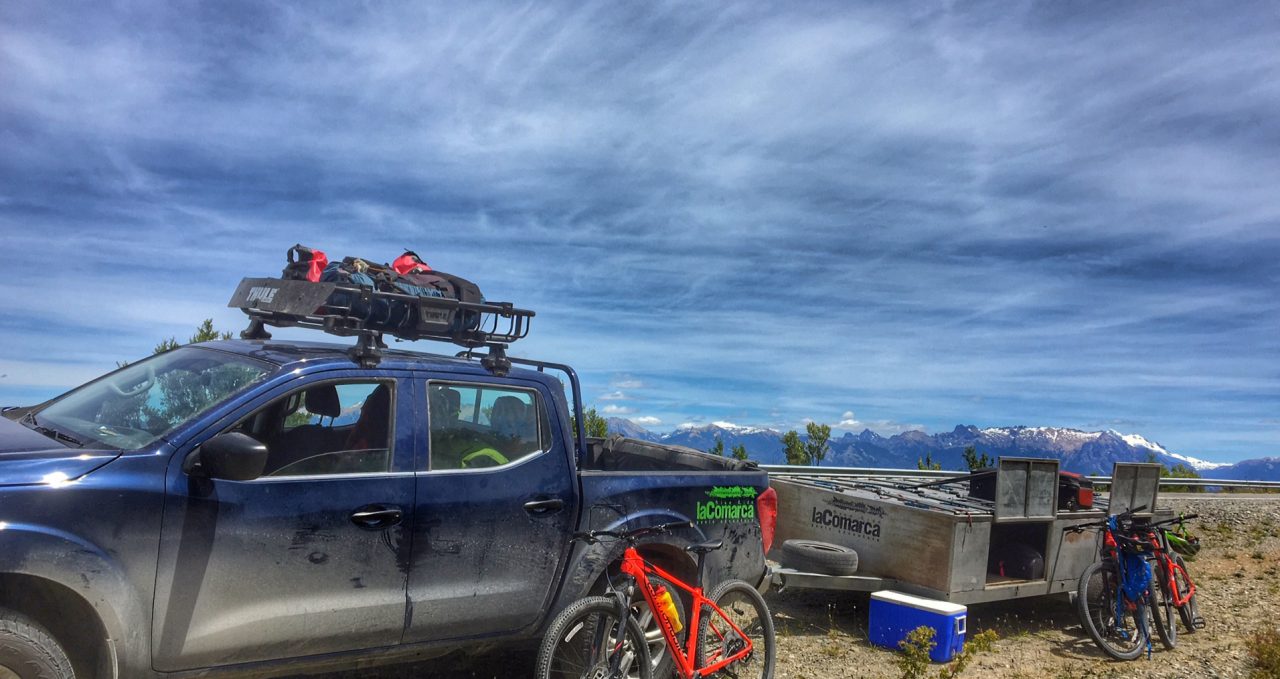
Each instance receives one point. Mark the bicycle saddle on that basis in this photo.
(704, 547)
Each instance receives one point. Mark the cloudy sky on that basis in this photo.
(886, 216)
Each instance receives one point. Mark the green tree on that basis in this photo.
(1178, 471)
(739, 452)
(928, 463)
(205, 332)
(718, 448)
(793, 448)
(597, 425)
(976, 461)
(182, 394)
(817, 446)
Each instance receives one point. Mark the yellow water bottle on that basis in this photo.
(668, 608)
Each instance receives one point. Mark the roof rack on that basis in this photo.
(368, 314)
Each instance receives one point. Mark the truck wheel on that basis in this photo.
(28, 652)
(812, 556)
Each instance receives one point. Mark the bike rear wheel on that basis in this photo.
(744, 606)
(1118, 636)
(583, 642)
(1189, 612)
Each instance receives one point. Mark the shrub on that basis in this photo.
(1264, 648)
(914, 661)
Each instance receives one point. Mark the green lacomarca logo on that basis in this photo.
(731, 492)
(728, 503)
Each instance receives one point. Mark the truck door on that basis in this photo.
(310, 558)
(496, 503)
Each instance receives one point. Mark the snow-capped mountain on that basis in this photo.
(765, 445)
(1080, 451)
(1261, 469)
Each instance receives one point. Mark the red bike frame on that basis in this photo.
(1168, 569)
(640, 570)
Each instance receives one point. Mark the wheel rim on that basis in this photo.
(6, 673)
(1122, 635)
(584, 650)
(1187, 611)
(1169, 613)
(719, 641)
(652, 634)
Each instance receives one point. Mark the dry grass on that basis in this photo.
(1264, 649)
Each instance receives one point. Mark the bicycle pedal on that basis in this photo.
(1198, 622)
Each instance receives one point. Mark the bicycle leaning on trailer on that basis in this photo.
(599, 637)
(1175, 591)
(1120, 598)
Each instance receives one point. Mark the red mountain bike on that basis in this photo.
(599, 637)
(1177, 590)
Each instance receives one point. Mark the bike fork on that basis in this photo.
(623, 614)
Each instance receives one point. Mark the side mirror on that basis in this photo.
(232, 456)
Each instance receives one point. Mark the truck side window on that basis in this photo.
(474, 426)
(326, 429)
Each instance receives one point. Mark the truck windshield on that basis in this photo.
(140, 403)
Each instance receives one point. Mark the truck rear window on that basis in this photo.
(476, 426)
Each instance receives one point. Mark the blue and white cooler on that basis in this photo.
(894, 614)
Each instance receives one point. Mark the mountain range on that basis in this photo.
(1079, 451)
(1261, 469)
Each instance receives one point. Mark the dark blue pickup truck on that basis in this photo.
(267, 508)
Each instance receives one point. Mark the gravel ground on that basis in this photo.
(823, 635)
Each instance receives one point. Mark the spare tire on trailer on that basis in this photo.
(812, 556)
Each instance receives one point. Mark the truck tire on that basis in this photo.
(812, 556)
(27, 651)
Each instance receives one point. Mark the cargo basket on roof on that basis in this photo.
(354, 311)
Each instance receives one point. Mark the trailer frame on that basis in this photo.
(937, 541)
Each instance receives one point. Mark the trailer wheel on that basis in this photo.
(812, 556)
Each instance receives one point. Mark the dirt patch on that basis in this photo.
(823, 635)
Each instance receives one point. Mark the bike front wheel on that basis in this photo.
(718, 640)
(1118, 635)
(586, 641)
(1163, 612)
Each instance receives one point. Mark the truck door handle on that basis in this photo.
(377, 517)
(546, 506)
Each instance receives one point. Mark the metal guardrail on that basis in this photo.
(791, 469)
(794, 470)
(1200, 483)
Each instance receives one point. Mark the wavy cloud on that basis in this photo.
(989, 214)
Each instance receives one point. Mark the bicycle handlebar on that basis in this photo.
(591, 537)
(1177, 519)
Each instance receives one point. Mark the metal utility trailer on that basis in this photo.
(935, 539)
